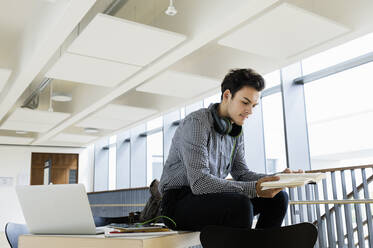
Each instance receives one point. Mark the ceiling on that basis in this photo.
(128, 66)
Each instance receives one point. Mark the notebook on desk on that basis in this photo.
(57, 209)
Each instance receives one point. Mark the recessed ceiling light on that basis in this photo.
(62, 97)
(21, 132)
(91, 130)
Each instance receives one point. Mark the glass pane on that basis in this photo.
(154, 156)
(274, 136)
(112, 162)
(182, 113)
(340, 118)
(155, 123)
(212, 99)
(349, 50)
(272, 79)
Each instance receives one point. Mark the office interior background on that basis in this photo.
(111, 80)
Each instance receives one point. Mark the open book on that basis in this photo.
(293, 180)
(124, 230)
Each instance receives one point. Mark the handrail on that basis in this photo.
(370, 179)
(341, 168)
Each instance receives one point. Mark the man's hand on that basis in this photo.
(269, 193)
(287, 170)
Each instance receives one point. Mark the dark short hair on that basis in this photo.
(236, 79)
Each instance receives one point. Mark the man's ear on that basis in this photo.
(226, 95)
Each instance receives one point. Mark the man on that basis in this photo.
(206, 147)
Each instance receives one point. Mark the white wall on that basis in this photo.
(15, 162)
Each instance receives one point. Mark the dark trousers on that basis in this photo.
(194, 212)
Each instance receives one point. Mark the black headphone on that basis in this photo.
(223, 125)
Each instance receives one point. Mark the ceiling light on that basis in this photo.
(91, 130)
(171, 10)
(21, 132)
(62, 97)
(115, 40)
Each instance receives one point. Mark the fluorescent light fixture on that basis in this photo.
(15, 140)
(91, 130)
(283, 32)
(179, 84)
(62, 97)
(33, 120)
(74, 138)
(4, 77)
(82, 69)
(21, 132)
(117, 39)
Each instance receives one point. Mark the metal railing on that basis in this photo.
(342, 221)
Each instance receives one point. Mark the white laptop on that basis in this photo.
(57, 209)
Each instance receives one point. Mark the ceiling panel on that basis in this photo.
(74, 138)
(4, 76)
(124, 112)
(15, 140)
(120, 40)
(102, 123)
(296, 30)
(172, 83)
(23, 119)
(114, 116)
(88, 70)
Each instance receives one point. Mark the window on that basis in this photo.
(156, 123)
(340, 118)
(182, 113)
(112, 162)
(154, 150)
(274, 137)
(212, 99)
(272, 79)
(338, 54)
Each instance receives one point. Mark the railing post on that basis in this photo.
(347, 208)
(309, 207)
(328, 218)
(292, 207)
(301, 207)
(338, 217)
(321, 228)
(360, 230)
(367, 208)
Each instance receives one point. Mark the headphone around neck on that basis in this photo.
(223, 125)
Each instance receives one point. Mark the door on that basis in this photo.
(64, 168)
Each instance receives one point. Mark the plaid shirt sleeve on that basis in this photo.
(194, 154)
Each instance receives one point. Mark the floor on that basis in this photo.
(3, 241)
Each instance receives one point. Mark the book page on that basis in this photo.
(293, 180)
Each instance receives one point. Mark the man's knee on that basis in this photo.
(282, 200)
(242, 211)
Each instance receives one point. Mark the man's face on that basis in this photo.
(242, 104)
